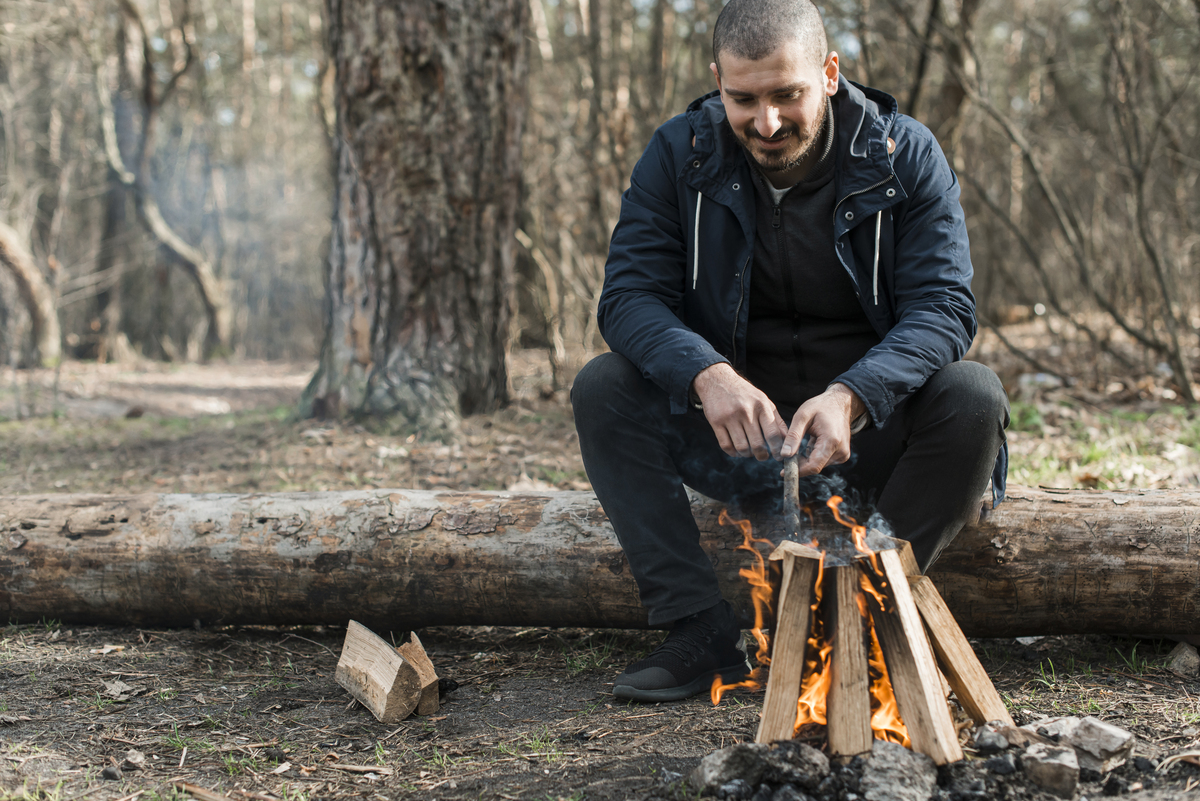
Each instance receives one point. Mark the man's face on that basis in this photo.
(776, 105)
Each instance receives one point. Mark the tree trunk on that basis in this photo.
(35, 294)
(1043, 563)
(420, 280)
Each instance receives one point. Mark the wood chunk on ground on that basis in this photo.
(390, 682)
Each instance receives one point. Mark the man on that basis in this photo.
(791, 259)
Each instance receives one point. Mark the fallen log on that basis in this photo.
(1044, 562)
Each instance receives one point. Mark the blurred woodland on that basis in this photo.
(168, 175)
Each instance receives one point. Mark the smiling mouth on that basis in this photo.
(778, 138)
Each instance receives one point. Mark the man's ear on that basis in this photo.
(831, 71)
(716, 74)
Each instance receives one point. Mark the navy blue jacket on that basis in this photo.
(675, 297)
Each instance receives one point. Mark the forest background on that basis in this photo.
(169, 264)
(168, 175)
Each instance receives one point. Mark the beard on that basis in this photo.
(801, 149)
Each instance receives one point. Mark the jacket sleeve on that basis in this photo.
(934, 307)
(644, 280)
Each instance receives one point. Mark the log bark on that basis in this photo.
(1044, 562)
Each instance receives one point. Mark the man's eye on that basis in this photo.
(743, 101)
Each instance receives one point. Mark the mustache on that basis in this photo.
(782, 133)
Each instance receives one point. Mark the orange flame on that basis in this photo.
(762, 594)
(885, 714)
(886, 722)
(814, 687)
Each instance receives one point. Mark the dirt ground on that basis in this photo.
(255, 713)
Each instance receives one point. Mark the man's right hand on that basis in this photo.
(743, 418)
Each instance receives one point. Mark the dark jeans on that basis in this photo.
(925, 470)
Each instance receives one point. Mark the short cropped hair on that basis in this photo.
(753, 29)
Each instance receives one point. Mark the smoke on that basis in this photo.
(837, 541)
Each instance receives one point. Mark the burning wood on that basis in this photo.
(856, 629)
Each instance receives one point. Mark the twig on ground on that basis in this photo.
(314, 642)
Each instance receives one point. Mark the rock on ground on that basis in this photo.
(754, 763)
(1184, 659)
(1099, 746)
(989, 741)
(891, 772)
(1052, 768)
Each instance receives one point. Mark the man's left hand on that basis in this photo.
(827, 418)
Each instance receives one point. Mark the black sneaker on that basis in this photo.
(696, 649)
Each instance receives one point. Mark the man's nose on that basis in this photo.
(766, 121)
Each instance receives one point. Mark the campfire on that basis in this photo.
(860, 644)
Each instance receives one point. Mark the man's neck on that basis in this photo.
(786, 179)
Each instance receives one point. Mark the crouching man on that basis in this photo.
(791, 259)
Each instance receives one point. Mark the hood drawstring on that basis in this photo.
(696, 242)
(875, 268)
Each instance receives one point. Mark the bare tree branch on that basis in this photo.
(35, 294)
(213, 293)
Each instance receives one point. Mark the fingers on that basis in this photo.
(824, 434)
(751, 441)
(774, 431)
(796, 432)
(743, 419)
(821, 456)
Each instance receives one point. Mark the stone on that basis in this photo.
(735, 790)
(1099, 746)
(1115, 785)
(989, 741)
(745, 761)
(786, 762)
(134, 760)
(1016, 737)
(891, 772)
(975, 789)
(765, 792)
(1001, 764)
(789, 792)
(112, 773)
(1054, 768)
(1184, 660)
(790, 762)
(1144, 765)
(828, 788)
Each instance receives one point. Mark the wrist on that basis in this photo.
(705, 379)
(856, 409)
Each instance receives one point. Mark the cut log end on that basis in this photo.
(390, 682)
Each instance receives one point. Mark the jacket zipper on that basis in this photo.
(737, 315)
(863, 191)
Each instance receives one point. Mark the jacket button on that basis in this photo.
(736, 187)
(890, 193)
(695, 164)
(849, 216)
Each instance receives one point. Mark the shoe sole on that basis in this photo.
(733, 673)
